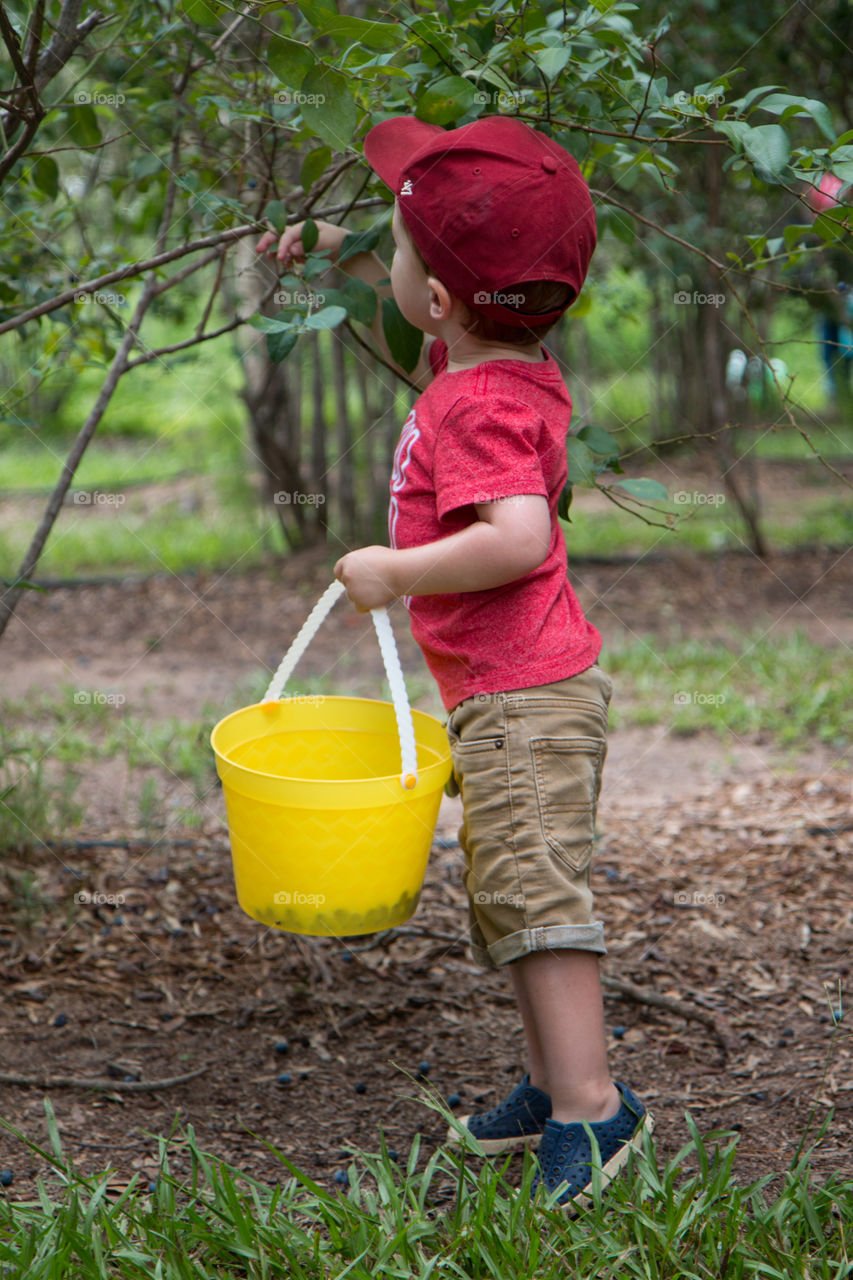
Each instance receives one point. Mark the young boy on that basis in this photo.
(494, 229)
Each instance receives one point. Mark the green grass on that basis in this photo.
(782, 685)
(225, 526)
(688, 1218)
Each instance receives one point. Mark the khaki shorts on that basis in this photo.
(528, 766)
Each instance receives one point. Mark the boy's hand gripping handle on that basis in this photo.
(393, 670)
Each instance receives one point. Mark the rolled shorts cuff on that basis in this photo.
(582, 937)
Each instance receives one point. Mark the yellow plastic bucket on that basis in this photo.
(328, 835)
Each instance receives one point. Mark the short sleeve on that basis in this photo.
(437, 356)
(487, 448)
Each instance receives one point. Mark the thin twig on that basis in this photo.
(684, 1009)
(132, 269)
(102, 1086)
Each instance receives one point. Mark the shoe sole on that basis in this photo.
(584, 1199)
(496, 1146)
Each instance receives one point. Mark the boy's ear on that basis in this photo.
(441, 300)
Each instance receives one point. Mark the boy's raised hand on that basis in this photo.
(290, 242)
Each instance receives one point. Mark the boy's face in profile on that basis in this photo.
(409, 281)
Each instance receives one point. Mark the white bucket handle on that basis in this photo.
(393, 670)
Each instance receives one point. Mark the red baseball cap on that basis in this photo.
(490, 205)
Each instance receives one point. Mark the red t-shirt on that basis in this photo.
(477, 435)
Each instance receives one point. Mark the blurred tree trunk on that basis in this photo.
(273, 409)
(345, 471)
(273, 412)
(319, 458)
(723, 433)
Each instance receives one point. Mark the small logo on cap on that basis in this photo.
(406, 189)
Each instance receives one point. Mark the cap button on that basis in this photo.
(549, 164)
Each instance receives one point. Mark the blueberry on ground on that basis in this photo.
(618, 1033)
(60, 1020)
(152, 1185)
(7, 1177)
(392, 1154)
(361, 1088)
(342, 1177)
(282, 1046)
(284, 1078)
(454, 1101)
(424, 1068)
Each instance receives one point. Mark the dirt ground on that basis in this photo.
(723, 874)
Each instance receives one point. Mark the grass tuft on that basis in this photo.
(451, 1214)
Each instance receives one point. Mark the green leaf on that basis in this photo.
(828, 226)
(359, 242)
(768, 147)
(445, 100)
(564, 503)
(741, 104)
(316, 264)
(83, 125)
(734, 130)
(787, 105)
(329, 110)
(357, 297)
(276, 213)
(642, 487)
(757, 244)
(46, 176)
(310, 234)
(795, 232)
(145, 165)
(328, 318)
(843, 170)
(272, 324)
(404, 340)
(289, 61)
(552, 61)
(202, 12)
(314, 166)
(344, 29)
(621, 225)
(281, 344)
(599, 441)
(318, 11)
(583, 467)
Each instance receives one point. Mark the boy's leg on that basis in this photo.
(559, 996)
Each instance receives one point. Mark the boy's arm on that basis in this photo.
(365, 266)
(508, 539)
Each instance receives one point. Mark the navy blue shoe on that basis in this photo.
(565, 1152)
(516, 1122)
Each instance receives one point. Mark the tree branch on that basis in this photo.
(159, 260)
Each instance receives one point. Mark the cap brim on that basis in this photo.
(391, 144)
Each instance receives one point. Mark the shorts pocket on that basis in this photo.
(480, 772)
(568, 781)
